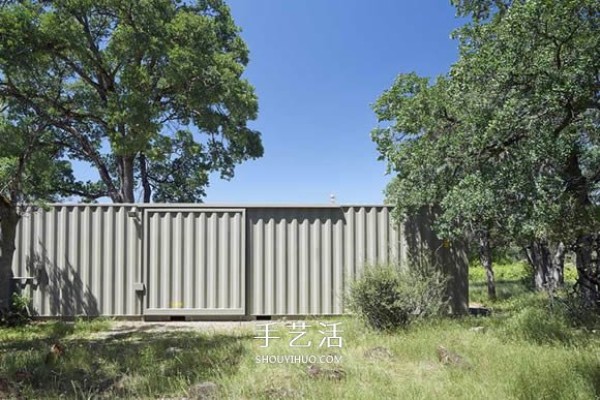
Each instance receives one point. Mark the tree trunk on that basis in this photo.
(9, 219)
(144, 177)
(547, 262)
(557, 274)
(587, 271)
(485, 256)
(587, 248)
(127, 180)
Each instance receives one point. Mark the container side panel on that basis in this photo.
(81, 260)
(304, 259)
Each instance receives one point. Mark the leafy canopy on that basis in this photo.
(508, 139)
(149, 93)
(31, 166)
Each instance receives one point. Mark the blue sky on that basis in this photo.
(317, 66)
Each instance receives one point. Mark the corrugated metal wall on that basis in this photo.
(300, 260)
(86, 259)
(126, 260)
(195, 262)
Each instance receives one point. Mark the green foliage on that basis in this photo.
(19, 313)
(375, 297)
(500, 140)
(113, 81)
(188, 181)
(388, 298)
(31, 164)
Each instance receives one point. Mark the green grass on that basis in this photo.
(526, 350)
(129, 364)
(500, 366)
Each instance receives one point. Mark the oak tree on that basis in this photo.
(149, 93)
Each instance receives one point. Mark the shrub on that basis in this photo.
(19, 312)
(388, 298)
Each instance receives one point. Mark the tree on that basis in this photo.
(517, 123)
(542, 58)
(31, 170)
(149, 93)
(425, 149)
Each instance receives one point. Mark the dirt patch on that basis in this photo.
(123, 328)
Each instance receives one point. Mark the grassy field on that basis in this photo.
(524, 350)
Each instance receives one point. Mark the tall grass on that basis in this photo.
(498, 367)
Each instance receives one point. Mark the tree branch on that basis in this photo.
(95, 157)
(82, 193)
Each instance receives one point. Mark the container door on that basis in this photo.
(195, 261)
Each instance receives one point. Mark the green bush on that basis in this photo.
(388, 298)
(19, 312)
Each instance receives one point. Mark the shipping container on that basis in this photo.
(197, 260)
